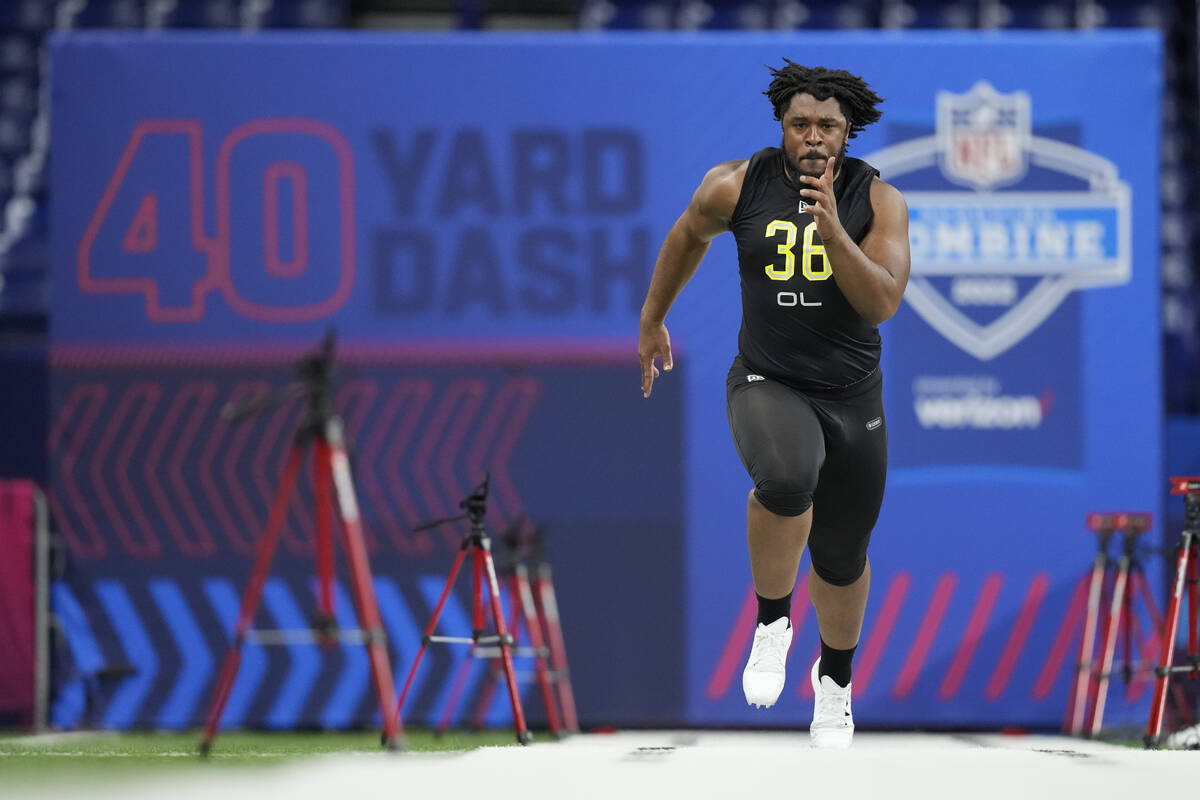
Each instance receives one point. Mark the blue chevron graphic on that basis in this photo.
(476, 671)
(404, 635)
(352, 682)
(455, 621)
(306, 658)
(225, 602)
(71, 700)
(127, 700)
(499, 713)
(195, 660)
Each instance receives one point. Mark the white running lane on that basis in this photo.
(676, 765)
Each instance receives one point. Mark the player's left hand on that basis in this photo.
(820, 202)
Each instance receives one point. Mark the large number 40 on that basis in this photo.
(808, 256)
(147, 234)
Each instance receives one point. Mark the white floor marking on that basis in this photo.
(680, 765)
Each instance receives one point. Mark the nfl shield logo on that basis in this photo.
(988, 267)
(983, 136)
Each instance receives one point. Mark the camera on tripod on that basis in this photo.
(475, 504)
(333, 488)
(314, 373)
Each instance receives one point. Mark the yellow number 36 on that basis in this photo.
(812, 269)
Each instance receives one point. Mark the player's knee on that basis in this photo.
(838, 570)
(786, 498)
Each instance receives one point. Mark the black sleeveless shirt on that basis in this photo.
(797, 326)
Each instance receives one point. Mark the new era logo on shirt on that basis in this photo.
(753, 378)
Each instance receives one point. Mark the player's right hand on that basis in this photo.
(653, 340)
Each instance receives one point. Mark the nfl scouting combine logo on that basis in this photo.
(991, 263)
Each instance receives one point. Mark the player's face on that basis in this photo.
(813, 130)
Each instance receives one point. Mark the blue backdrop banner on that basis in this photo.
(478, 216)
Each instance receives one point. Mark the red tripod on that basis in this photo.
(322, 428)
(1129, 578)
(1186, 571)
(544, 635)
(480, 546)
(1103, 526)
(547, 606)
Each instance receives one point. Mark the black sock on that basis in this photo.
(771, 610)
(836, 664)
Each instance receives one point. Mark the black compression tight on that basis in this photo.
(803, 450)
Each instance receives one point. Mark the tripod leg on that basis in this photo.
(250, 598)
(1129, 625)
(1150, 647)
(1193, 576)
(324, 543)
(477, 595)
(1181, 701)
(1087, 646)
(524, 600)
(437, 613)
(1109, 647)
(484, 701)
(548, 603)
(1143, 635)
(360, 571)
(483, 553)
(1157, 705)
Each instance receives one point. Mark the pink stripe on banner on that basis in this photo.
(1062, 640)
(735, 647)
(1020, 634)
(737, 644)
(423, 352)
(151, 394)
(800, 606)
(881, 631)
(201, 543)
(66, 442)
(974, 632)
(1150, 648)
(930, 625)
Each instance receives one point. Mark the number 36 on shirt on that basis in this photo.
(810, 266)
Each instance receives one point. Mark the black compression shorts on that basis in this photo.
(827, 450)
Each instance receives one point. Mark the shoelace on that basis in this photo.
(832, 706)
(769, 652)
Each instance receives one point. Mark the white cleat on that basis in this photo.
(762, 680)
(833, 725)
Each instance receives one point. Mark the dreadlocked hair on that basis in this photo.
(852, 93)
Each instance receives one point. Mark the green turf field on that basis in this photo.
(88, 753)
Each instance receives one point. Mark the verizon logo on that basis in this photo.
(983, 412)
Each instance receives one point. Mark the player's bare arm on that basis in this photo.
(872, 275)
(706, 217)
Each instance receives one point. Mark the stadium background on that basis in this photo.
(156, 503)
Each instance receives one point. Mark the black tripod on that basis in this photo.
(480, 546)
(322, 429)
